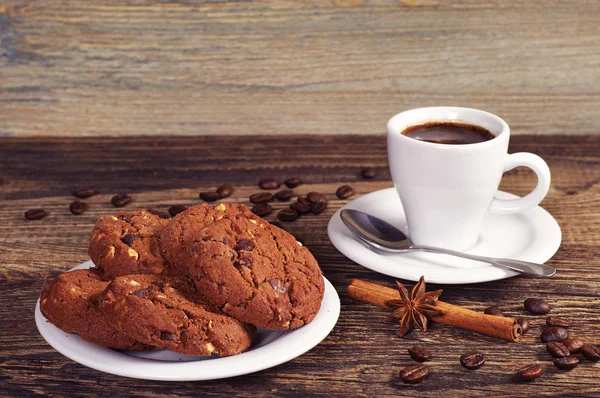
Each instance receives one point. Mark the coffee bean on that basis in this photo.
(225, 191)
(529, 372)
(574, 344)
(77, 207)
(591, 352)
(292, 182)
(35, 214)
(554, 333)
(261, 197)
(414, 374)
(303, 201)
(566, 363)
(419, 354)
(493, 311)
(368, 172)
(472, 360)
(262, 209)
(557, 349)
(209, 196)
(315, 197)
(244, 244)
(129, 238)
(300, 208)
(318, 207)
(176, 209)
(524, 322)
(268, 183)
(278, 286)
(345, 191)
(556, 321)
(284, 195)
(154, 211)
(287, 215)
(85, 193)
(536, 306)
(120, 200)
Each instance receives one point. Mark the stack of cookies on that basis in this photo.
(198, 284)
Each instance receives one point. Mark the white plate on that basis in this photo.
(269, 349)
(533, 236)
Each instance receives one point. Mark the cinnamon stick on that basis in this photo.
(504, 328)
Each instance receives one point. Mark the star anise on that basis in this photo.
(414, 308)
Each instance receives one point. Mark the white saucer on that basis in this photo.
(533, 236)
(270, 348)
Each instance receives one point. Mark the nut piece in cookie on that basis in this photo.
(168, 313)
(68, 302)
(128, 244)
(255, 272)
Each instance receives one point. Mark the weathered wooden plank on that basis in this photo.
(286, 67)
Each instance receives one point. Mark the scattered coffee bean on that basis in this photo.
(209, 196)
(368, 172)
(554, 333)
(591, 352)
(303, 200)
(225, 191)
(493, 311)
(472, 360)
(85, 193)
(300, 208)
(284, 195)
(414, 374)
(566, 363)
(524, 322)
(419, 354)
(261, 197)
(176, 209)
(536, 306)
(268, 183)
(287, 215)
(292, 182)
(556, 321)
(262, 209)
(574, 344)
(318, 207)
(314, 197)
(35, 214)
(557, 349)
(120, 200)
(77, 207)
(345, 191)
(154, 211)
(244, 244)
(129, 238)
(529, 372)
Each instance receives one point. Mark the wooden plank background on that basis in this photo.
(127, 67)
(363, 354)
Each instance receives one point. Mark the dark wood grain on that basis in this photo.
(363, 355)
(187, 67)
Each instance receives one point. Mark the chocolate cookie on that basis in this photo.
(128, 244)
(68, 302)
(255, 272)
(188, 223)
(169, 313)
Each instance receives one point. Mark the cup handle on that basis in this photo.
(540, 168)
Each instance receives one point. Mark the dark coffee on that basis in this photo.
(448, 133)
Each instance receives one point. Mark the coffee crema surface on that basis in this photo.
(448, 133)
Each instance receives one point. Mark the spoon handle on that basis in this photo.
(526, 268)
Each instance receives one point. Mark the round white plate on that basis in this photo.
(270, 348)
(533, 236)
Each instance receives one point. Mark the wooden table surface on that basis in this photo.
(363, 354)
(155, 67)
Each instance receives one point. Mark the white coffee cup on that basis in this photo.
(447, 189)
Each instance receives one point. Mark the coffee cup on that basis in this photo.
(447, 188)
